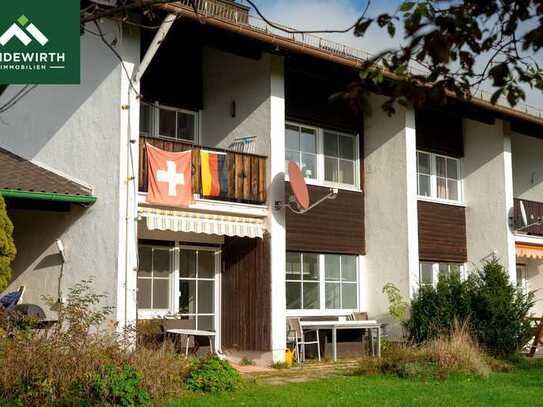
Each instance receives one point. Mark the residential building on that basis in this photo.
(421, 192)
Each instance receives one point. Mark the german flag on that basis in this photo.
(214, 173)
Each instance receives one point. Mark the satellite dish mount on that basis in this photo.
(298, 202)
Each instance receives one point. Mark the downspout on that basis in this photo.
(136, 77)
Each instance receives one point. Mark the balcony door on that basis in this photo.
(198, 287)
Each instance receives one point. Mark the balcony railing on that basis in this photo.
(246, 172)
(534, 211)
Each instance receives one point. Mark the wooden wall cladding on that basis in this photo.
(246, 294)
(442, 232)
(440, 133)
(335, 226)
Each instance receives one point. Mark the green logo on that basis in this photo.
(39, 42)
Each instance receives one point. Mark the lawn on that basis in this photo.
(523, 387)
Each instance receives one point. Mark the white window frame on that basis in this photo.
(173, 309)
(319, 180)
(435, 271)
(157, 311)
(197, 279)
(322, 310)
(433, 178)
(154, 120)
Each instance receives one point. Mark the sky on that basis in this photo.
(340, 14)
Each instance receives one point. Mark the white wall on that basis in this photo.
(488, 193)
(75, 130)
(527, 167)
(390, 206)
(227, 78)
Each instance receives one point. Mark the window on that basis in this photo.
(324, 156)
(303, 281)
(321, 282)
(301, 147)
(341, 282)
(154, 278)
(178, 280)
(197, 287)
(339, 158)
(161, 121)
(438, 176)
(429, 273)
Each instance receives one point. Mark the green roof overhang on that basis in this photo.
(48, 196)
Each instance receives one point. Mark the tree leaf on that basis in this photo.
(391, 30)
(407, 5)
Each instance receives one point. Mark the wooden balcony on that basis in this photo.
(246, 172)
(534, 211)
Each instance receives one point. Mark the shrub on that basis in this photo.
(437, 358)
(487, 300)
(247, 361)
(81, 361)
(212, 374)
(499, 311)
(118, 386)
(7, 247)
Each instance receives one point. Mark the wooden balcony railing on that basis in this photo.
(534, 211)
(246, 172)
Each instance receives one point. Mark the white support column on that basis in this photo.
(411, 192)
(509, 195)
(276, 219)
(128, 184)
(488, 192)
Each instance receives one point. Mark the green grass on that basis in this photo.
(523, 386)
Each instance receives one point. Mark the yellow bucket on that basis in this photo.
(289, 357)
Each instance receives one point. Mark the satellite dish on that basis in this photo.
(523, 214)
(299, 201)
(298, 185)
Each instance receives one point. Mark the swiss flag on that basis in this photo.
(170, 177)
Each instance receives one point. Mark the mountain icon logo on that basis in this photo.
(24, 31)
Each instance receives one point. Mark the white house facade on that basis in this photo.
(423, 192)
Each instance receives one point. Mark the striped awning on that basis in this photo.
(210, 224)
(529, 251)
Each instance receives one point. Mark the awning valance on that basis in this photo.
(210, 224)
(529, 251)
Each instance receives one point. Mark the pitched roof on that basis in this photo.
(19, 174)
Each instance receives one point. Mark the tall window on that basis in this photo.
(429, 273)
(321, 282)
(303, 281)
(162, 121)
(324, 156)
(341, 281)
(301, 147)
(197, 287)
(438, 176)
(339, 158)
(154, 278)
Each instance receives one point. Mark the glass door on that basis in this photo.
(197, 271)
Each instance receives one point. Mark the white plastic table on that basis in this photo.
(335, 325)
(193, 332)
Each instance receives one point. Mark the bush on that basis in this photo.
(7, 247)
(212, 374)
(118, 386)
(82, 360)
(437, 358)
(486, 300)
